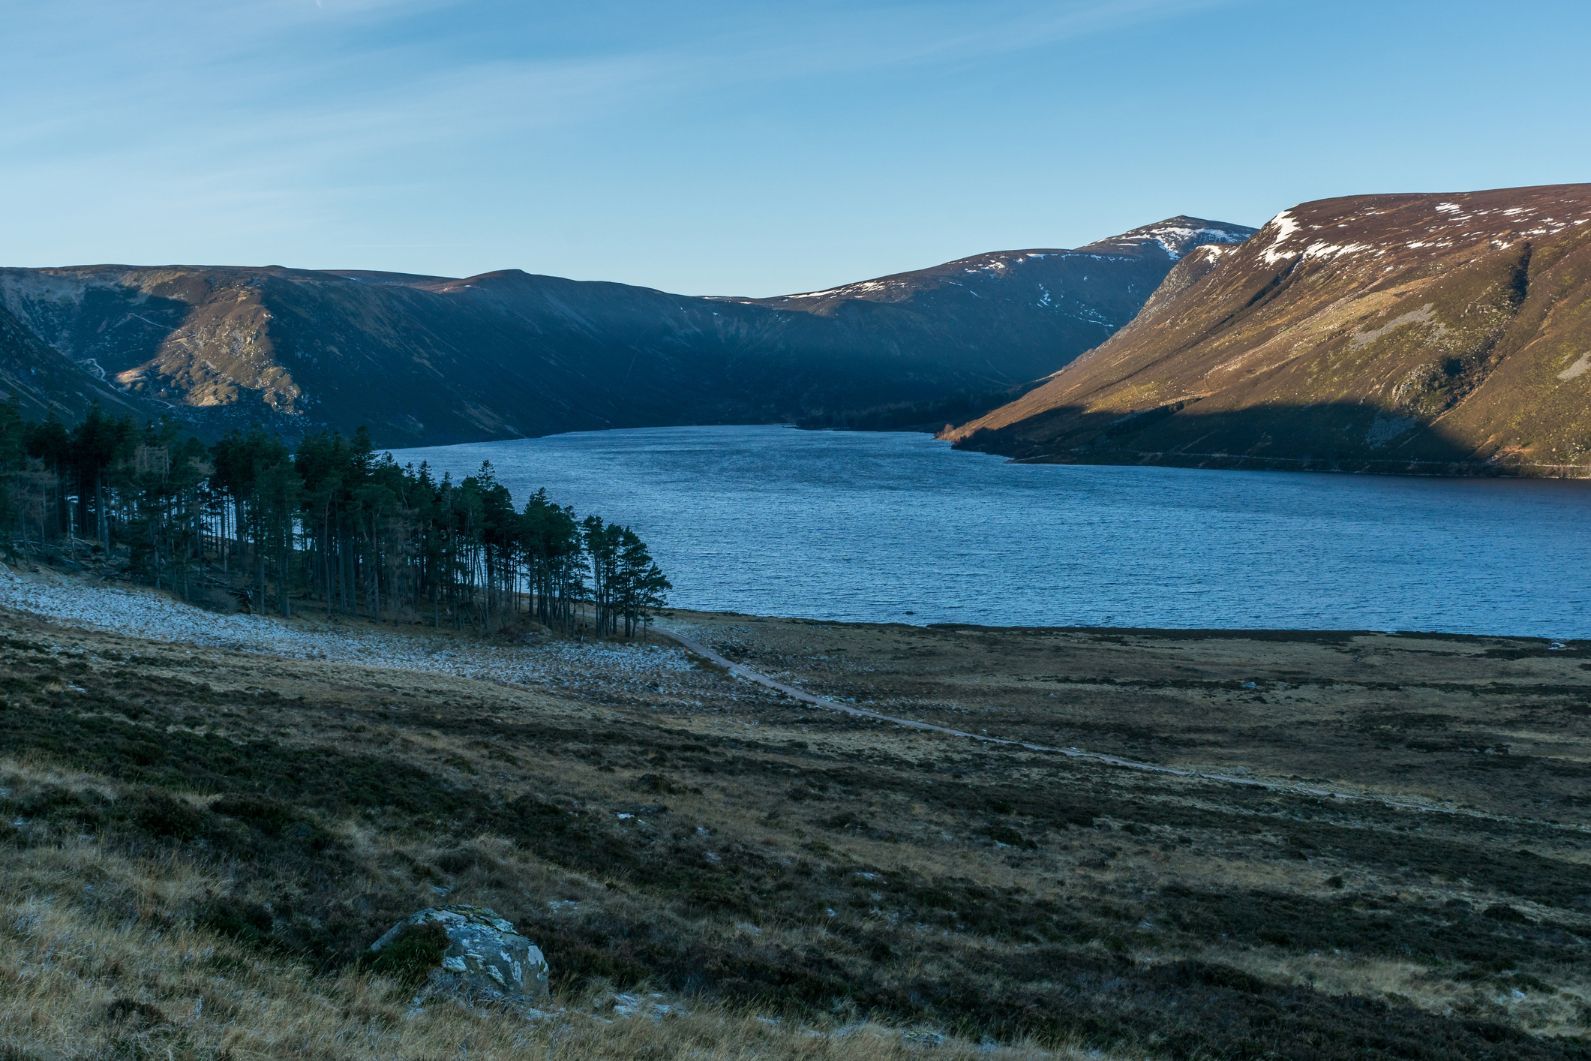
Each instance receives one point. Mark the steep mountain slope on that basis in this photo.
(1383, 332)
(44, 381)
(429, 359)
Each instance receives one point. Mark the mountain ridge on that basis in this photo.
(1401, 332)
(422, 359)
(1175, 236)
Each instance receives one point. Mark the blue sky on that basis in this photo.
(743, 147)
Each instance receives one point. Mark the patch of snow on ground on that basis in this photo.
(1285, 226)
(1334, 250)
(863, 288)
(994, 264)
(1173, 238)
(1578, 369)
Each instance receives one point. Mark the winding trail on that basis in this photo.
(1291, 788)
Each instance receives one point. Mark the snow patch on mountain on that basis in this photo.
(1336, 250)
(999, 263)
(1448, 225)
(1177, 240)
(1282, 228)
(1175, 236)
(865, 287)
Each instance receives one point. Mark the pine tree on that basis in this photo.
(331, 520)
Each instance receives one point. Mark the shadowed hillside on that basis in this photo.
(1324, 437)
(45, 381)
(506, 354)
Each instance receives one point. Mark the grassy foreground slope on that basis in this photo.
(196, 846)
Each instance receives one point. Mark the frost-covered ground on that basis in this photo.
(145, 613)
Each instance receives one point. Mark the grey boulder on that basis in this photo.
(479, 957)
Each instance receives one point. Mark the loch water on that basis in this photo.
(898, 527)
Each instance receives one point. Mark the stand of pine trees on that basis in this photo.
(332, 524)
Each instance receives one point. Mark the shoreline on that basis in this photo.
(309, 618)
(1365, 466)
(1212, 462)
(1189, 633)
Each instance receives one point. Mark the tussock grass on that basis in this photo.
(83, 986)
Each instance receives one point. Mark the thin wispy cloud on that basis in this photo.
(877, 37)
(271, 74)
(566, 137)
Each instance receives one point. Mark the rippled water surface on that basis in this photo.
(898, 527)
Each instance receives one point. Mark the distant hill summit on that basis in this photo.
(1175, 236)
(423, 359)
(1425, 332)
(1021, 273)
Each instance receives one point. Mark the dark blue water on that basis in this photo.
(898, 527)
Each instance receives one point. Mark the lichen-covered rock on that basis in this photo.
(465, 952)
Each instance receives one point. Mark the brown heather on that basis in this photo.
(196, 847)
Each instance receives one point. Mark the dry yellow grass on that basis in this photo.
(89, 985)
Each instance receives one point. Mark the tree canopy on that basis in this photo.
(331, 524)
